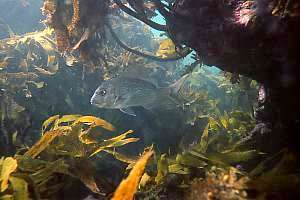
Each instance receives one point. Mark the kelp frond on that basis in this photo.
(63, 141)
(8, 165)
(11, 187)
(26, 58)
(43, 143)
(128, 187)
(75, 17)
(71, 135)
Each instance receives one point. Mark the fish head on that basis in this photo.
(104, 96)
(124, 92)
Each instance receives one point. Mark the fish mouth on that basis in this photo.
(93, 101)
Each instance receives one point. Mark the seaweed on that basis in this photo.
(128, 187)
(26, 58)
(214, 167)
(217, 145)
(55, 71)
(12, 187)
(61, 151)
(32, 71)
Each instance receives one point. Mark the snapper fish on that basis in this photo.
(123, 93)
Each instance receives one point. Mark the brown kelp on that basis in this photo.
(211, 168)
(216, 147)
(75, 31)
(64, 149)
(80, 133)
(31, 64)
(215, 168)
(33, 54)
(128, 187)
(25, 62)
(254, 38)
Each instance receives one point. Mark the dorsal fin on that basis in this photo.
(139, 73)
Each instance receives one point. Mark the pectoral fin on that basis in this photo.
(128, 111)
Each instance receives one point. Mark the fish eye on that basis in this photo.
(102, 92)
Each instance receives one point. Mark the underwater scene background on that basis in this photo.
(96, 104)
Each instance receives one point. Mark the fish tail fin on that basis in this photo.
(166, 98)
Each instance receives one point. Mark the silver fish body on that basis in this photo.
(126, 92)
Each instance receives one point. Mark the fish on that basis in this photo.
(125, 92)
